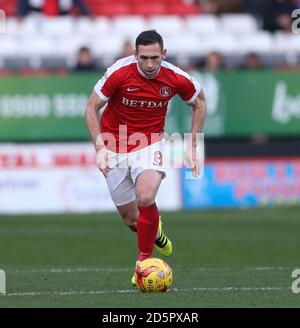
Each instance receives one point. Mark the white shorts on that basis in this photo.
(126, 167)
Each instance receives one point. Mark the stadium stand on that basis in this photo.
(190, 34)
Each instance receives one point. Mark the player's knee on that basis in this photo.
(145, 199)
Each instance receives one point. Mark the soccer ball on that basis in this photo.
(153, 275)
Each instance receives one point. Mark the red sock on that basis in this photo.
(147, 226)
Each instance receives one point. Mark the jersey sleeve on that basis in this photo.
(188, 88)
(108, 85)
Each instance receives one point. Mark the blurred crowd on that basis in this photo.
(271, 15)
(213, 61)
(51, 7)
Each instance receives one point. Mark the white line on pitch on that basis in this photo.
(72, 292)
(69, 270)
(269, 268)
(238, 288)
(130, 291)
(103, 269)
(266, 268)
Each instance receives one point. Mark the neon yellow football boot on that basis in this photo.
(163, 244)
(133, 281)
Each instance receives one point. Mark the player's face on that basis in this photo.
(149, 59)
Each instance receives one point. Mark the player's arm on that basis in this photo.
(198, 117)
(95, 103)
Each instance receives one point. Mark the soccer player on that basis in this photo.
(129, 139)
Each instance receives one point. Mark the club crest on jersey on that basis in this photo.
(165, 91)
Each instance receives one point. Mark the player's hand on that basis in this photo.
(191, 160)
(102, 160)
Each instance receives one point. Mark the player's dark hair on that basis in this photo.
(149, 37)
(84, 49)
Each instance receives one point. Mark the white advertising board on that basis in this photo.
(58, 178)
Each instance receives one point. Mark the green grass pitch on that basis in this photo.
(225, 258)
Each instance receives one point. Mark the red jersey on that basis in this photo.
(138, 104)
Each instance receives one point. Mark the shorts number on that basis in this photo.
(158, 158)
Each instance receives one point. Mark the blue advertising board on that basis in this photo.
(243, 183)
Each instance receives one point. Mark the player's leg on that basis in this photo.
(147, 197)
(129, 213)
(146, 187)
(147, 170)
(147, 184)
(162, 243)
(122, 192)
